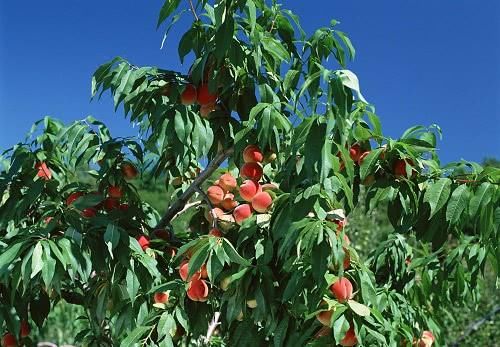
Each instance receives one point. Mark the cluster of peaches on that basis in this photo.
(9, 340)
(256, 197)
(199, 95)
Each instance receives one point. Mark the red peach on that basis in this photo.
(162, 234)
(203, 271)
(161, 297)
(204, 95)
(129, 171)
(325, 317)
(189, 95)
(227, 182)
(143, 241)
(215, 232)
(183, 269)
(261, 202)
(123, 207)
(362, 157)
(9, 340)
(349, 338)
(248, 189)
(426, 340)
(215, 194)
(252, 154)
(209, 215)
(198, 290)
(252, 171)
(229, 203)
(205, 110)
(399, 167)
(25, 329)
(115, 192)
(342, 289)
(72, 197)
(355, 152)
(43, 171)
(111, 204)
(89, 212)
(242, 212)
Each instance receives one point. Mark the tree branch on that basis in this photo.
(193, 10)
(179, 204)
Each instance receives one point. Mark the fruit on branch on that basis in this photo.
(325, 317)
(350, 338)
(111, 204)
(198, 290)
(215, 211)
(248, 189)
(161, 297)
(426, 340)
(224, 284)
(227, 182)
(203, 271)
(228, 203)
(183, 270)
(162, 234)
(25, 329)
(252, 154)
(115, 192)
(242, 212)
(89, 212)
(43, 171)
(72, 197)
(143, 241)
(342, 289)
(252, 171)
(355, 152)
(215, 232)
(204, 95)
(9, 340)
(399, 167)
(129, 171)
(215, 194)
(362, 157)
(261, 202)
(252, 303)
(189, 95)
(123, 207)
(205, 110)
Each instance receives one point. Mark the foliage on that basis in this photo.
(62, 237)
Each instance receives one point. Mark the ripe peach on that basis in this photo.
(189, 95)
(161, 297)
(162, 234)
(229, 203)
(9, 340)
(362, 157)
(248, 189)
(399, 167)
(252, 154)
(43, 171)
(123, 207)
(25, 329)
(115, 192)
(215, 232)
(426, 340)
(203, 271)
(242, 212)
(349, 338)
(215, 194)
(72, 197)
(261, 202)
(111, 204)
(204, 95)
(227, 182)
(355, 152)
(198, 290)
(183, 269)
(342, 289)
(205, 110)
(89, 212)
(325, 317)
(252, 171)
(209, 215)
(143, 241)
(129, 171)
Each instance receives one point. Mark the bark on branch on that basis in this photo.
(179, 204)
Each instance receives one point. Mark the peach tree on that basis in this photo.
(266, 146)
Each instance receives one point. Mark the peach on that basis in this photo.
(204, 95)
(224, 284)
(426, 340)
(198, 290)
(25, 329)
(362, 157)
(399, 167)
(355, 152)
(205, 110)
(72, 197)
(252, 154)
(227, 182)
(9, 340)
(215, 232)
(162, 234)
(325, 317)
(183, 270)
(349, 338)
(215, 194)
(242, 212)
(189, 95)
(161, 297)
(43, 171)
(203, 271)
(248, 189)
(261, 202)
(111, 204)
(115, 192)
(215, 211)
(143, 241)
(342, 289)
(252, 171)
(129, 171)
(89, 212)
(123, 207)
(229, 203)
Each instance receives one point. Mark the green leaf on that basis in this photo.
(482, 197)
(166, 10)
(112, 236)
(132, 285)
(233, 254)
(89, 200)
(369, 163)
(340, 327)
(134, 336)
(359, 309)
(275, 48)
(36, 260)
(457, 204)
(8, 255)
(437, 194)
(198, 259)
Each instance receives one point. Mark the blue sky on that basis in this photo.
(419, 62)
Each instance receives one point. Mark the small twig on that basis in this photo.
(210, 206)
(187, 207)
(476, 325)
(193, 10)
(212, 326)
(179, 204)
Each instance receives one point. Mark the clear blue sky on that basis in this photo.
(419, 61)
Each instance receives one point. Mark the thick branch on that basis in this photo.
(179, 204)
